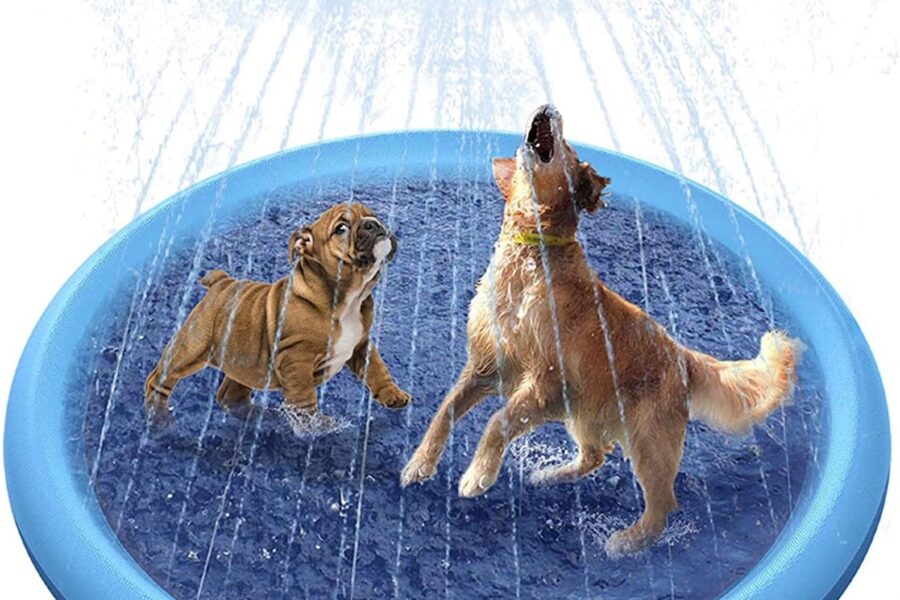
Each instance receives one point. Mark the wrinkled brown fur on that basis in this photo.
(235, 327)
(620, 377)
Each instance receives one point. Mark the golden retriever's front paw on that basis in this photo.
(475, 482)
(392, 396)
(419, 468)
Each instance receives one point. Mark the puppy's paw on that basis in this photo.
(327, 424)
(309, 422)
(419, 468)
(475, 482)
(392, 396)
(159, 417)
(241, 411)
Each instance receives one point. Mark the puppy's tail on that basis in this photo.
(213, 277)
(732, 396)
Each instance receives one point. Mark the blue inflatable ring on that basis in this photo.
(815, 555)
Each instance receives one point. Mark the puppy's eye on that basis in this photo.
(341, 229)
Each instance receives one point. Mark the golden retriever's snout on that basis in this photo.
(546, 124)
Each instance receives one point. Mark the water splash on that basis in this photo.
(489, 101)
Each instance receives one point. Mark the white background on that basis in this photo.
(106, 110)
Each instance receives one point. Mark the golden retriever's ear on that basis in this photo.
(504, 170)
(589, 188)
(300, 244)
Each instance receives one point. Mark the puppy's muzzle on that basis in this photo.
(371, 236)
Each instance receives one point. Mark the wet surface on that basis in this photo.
(214, 510)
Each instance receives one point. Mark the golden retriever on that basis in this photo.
(560, 346)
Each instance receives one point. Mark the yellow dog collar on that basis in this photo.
(533, 238)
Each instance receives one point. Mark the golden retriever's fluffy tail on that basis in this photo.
(732, 396)
(213, 277)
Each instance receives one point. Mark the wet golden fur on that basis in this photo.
(603, 367)
(235, 327)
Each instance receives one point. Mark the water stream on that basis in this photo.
(215, 475)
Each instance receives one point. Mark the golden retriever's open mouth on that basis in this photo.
(540, 136)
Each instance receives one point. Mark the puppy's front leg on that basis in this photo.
(366, 363)
(295, 372)
(294, 369)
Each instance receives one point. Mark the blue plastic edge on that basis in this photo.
(816, 555)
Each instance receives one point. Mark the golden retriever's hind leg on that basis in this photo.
(234, 397)
(590, 458)
(656, 456)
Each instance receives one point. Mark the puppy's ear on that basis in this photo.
(589, 188)
(300, 244)
(504, 170)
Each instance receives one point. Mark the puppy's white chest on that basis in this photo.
(350, 329)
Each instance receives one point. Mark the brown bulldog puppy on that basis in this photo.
(293, 334)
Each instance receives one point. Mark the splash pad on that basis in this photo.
(209, 510)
